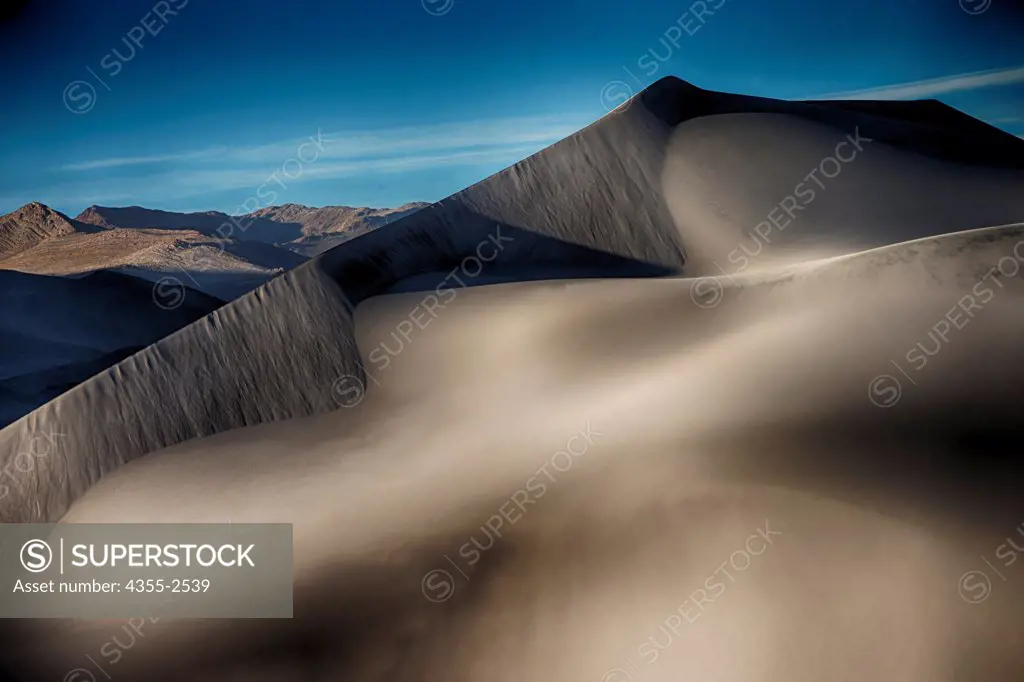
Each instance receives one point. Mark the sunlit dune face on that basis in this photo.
(739, 508)
(750, 192)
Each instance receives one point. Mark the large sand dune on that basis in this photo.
(832, 398)
(621, 198)
(694, 430)
(57, 331)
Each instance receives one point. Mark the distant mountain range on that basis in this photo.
(221, 255)
(33, 223)
(301, 229)
(80, 294)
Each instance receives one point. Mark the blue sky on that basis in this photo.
(194, 104)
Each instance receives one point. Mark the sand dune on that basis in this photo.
(836, 191)
(609, 201)
(57, 332)
(705, 426)
(832, 399)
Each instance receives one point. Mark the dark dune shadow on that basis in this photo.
(419, 255)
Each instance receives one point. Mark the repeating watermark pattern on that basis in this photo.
(112, 651)
(616, 96)
(80, 95)
(616, 93)
(975, 6)
(438, 585)
(975, 586)
(885, 390)
(437, 8)
(689, 23)
(170, 290)
(349, 389)
(25, 462)
(697, 603)
(708, 292)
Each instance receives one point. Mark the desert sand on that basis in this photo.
(58, 331)
(734, 447)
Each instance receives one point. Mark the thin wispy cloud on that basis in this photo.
(349, 144)
(173, 176)
(936, 86)
(365, 144)
(488, 145)
(200, 181)
(116, 161)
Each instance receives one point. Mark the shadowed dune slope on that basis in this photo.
(678, 170)
(58, 331)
